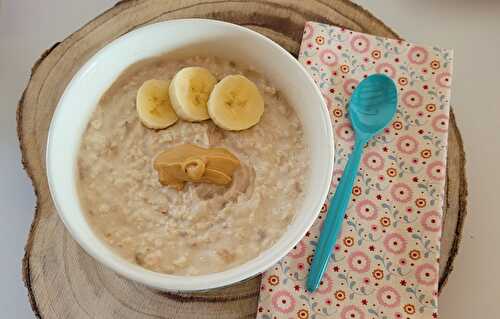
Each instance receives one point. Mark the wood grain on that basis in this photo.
(62, 280)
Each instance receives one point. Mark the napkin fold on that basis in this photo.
(386, 261)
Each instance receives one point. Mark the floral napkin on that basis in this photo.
(385, 262)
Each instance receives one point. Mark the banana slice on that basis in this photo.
(235, 103)
(189, 92)
(153, 105)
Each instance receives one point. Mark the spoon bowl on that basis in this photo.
(373, 104)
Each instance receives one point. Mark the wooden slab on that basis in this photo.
(63, 281)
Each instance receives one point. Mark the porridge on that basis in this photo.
(202, 228)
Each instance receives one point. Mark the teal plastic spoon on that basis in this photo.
(372, 106)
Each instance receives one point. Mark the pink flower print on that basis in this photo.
(298, 251)
(431, 221)
(412, 99)
(359, 262)
(373, 161)
(444, 80)
(395, 243)
(283, 301)
(407, 144)
(417, 55)
(436, 171)
(349, 86)
(336, 176)
(387, 69)
(401, 192)
(440, 123)
(426, 274)
(328, 57)
(388, 297)
(345, 132)
(352, 312)
(325, 285)
(360, 43)
(366, 209)
(308, 32)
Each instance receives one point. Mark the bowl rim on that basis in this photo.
(167, 282)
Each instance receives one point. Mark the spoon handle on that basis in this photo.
(334, 218)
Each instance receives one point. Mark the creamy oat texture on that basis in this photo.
(204, 228)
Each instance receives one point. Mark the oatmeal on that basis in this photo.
(203, 228)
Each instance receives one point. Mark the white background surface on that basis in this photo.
(28, 27)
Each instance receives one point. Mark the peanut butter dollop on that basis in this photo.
(191, 163)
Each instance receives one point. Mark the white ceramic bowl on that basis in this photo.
(186, 37)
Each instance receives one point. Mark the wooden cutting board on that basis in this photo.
(63, 281)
